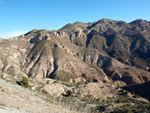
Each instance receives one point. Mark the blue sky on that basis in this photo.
(20, 16)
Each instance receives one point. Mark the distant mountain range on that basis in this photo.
(102, 51)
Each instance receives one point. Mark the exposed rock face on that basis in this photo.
(115, 76)
(140, 89)
(110, 32)
(131, 33)
(97, 52)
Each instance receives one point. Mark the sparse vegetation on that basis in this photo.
(136, 96)
(47, 82)
(69, 93)
(117, 87)
(127, 92)
(2, 90)
(24, 82)
(86, 82)
(129, 111)
(55, 81)
(119, 101)
(133, 92)
(97, 100)
(78, 83)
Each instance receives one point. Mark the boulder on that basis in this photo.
(54, 89)
(95, 90)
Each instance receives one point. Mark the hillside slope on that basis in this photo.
(101, 51)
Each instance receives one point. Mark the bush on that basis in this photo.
(126, 92)
(24, 82)
(69, 93)
(47, 82)
(78, 83)
(117, 87)
(97, 100)
(119, 101)
(55, 81)
(137, 96)
(86, 82)
(129, 111)
(133, 92)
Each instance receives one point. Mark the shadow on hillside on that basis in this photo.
(142, 89)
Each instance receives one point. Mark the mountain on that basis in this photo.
(102, 66)
(102, 51)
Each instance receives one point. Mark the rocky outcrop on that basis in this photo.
(48, 35)
(79, 34)
(131, 33)
(54, 90)
(109, 32)
(77, 80)
(60, 34)
(95, 90)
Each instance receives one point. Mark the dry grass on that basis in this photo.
(15, 96)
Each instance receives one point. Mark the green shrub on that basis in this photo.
(103, 101)
(129, 111)
(24, 82)
(55, 81)
(97, 100)
(133, 92)
(126, 92)
(47, 82)
(117, 87)
(86, 82)
(2, 90)
(137, 96)
(78, 83)
(69, 93)
(119, 101)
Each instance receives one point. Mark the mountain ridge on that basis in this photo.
(117, 50)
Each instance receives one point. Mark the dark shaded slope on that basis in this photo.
(140, 89)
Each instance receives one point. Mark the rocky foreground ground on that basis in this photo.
(86, 97)
(17, 99)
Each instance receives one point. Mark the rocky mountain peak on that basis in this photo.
(140, 24)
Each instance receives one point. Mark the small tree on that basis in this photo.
(24, 82)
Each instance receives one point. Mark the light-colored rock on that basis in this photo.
(4, 109)
(17, 99)
(119, 84)
(1, 65)
(77, 80)
(54, 89)
(62, 34)
(95, 90)
(81, 34)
